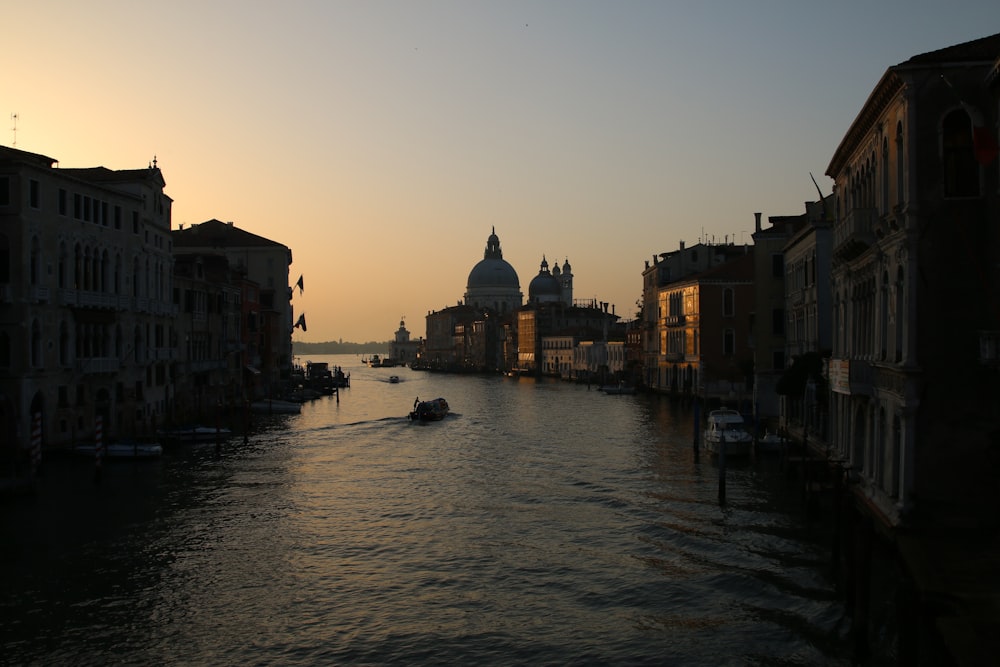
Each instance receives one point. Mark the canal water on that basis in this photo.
(540, 523)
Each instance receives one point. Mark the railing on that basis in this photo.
(854, 233)
(673, 320)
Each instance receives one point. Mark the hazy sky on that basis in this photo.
(382, 141)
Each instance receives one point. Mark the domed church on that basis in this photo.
(552, 287)
(493, 282)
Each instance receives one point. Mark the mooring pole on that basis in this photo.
(722, 466)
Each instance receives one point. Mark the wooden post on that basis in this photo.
(722, 466)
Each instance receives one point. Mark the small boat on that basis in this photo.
(618, 389)
(124, 449)
(394, 379)
(426, 411)
(771, 442)
(727, 426)
(196, 434)
(273, 406)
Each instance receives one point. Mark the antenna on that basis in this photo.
(13, 117)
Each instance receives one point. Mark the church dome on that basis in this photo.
(544, 286)
(493, 270)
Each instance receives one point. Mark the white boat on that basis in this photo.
(121, 450)
(196, 434)
(727, 425)
(276, 407)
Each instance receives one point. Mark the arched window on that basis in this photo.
(900, 190)
(961, 171)
(883, 307)
(884, 203)
(64, 358)
(36, 344)
(63, 266)
(35, 267)
(900, 323)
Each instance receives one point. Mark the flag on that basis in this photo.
(300, 284)
(984, 144)
(301, 322)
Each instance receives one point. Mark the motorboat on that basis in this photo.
(433, 410)
(124, 449)
(727, 426)
(394, 379)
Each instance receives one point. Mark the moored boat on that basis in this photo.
(393, 379)
(433, 410)
(726, 425)
(618, 389)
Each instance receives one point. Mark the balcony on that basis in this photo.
(855, 233)
(39, 294)
(673, 320)
(87, 299)
(98, 365)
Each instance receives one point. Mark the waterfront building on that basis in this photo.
(211, 371)
(403, 350)
(915, 286)
(807, 329)
(666, 268)
(86, 312)
(704, 333)
(265, 262)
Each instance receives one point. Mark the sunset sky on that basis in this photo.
(382, 141)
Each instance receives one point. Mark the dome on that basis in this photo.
(544, 286)
(493, 283)
(493, 272)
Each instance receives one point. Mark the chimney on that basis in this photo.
(757, 217)
(682, 245)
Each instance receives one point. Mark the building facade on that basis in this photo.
(915, 246)
(86, 313)
(265, 262)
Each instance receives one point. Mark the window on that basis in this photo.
(728, 343)
(778, 360)
(961, 171)
(778, 266)
(4, 190)
(34, 196)
(778, 321)
(728, 305)
(62, 201)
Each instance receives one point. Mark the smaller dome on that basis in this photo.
(544, 286)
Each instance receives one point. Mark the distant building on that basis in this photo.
(493, 283)
(403, 350)
(265, 262)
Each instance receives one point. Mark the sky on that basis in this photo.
(382, 142)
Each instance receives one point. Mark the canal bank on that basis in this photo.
(925, 591)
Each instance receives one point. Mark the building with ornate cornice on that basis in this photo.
(86, 302)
